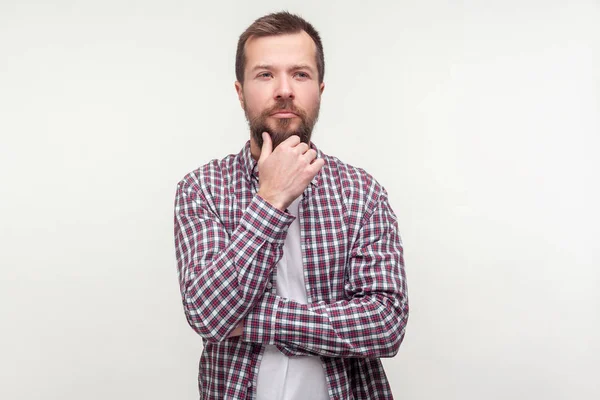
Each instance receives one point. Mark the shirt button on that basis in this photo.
(269, 285)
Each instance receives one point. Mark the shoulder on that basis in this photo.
(352, 183)
(212, 177)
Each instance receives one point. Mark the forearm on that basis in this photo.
(222, 278)
(369, 326)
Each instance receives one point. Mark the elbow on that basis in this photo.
(211, 333)
(392, 345)
(212, 321)
(394, 336)
(210, 327)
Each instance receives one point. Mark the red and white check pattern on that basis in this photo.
(228, 241)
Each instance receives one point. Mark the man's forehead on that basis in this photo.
(298, 48)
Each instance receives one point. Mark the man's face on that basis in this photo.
(281, 92)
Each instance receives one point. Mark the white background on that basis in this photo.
(480, 118)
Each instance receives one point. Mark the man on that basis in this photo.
(290, 262)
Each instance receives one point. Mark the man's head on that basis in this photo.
(279, 69)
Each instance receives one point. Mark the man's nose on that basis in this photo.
(284, 89)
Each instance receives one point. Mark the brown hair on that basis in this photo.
(277, 24)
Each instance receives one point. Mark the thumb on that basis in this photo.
(267, 147)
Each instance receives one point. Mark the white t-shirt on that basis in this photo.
(291, 378)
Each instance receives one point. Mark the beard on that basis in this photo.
(281, 130)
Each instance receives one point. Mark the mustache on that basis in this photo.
(286, 104)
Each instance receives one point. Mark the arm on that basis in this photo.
(370, 323)
(222, 277)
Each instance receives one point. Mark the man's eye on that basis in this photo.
(303, 75)
(264, 75)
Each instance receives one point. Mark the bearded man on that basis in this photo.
(290, 263)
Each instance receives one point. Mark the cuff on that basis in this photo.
(266, 220)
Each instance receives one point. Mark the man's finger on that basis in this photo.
(267, 147)
(301, 148)
(310, 154)
(292, 141)
(317, 164)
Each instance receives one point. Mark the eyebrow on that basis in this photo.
(292, 68)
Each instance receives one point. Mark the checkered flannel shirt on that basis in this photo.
(228, 241)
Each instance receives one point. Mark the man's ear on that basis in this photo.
(240, 92)
(321, 87)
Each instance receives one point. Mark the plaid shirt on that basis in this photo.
(228, 241)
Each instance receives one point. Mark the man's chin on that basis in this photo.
(282, 133)
(284, 125)
(278, 133)
(279, 137)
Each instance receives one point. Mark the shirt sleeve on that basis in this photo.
(223, 275)
(371, 322)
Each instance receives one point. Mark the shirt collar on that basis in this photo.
(250, 165)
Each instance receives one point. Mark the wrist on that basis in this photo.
(272, 200)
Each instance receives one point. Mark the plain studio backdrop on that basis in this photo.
(481, 118)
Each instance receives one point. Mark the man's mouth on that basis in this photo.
(283, 114)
